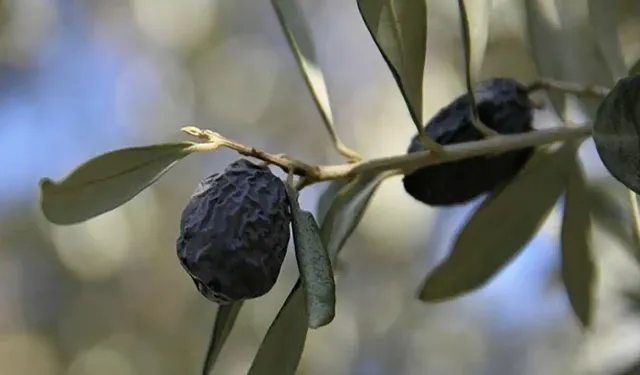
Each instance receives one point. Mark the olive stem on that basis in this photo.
(593, 91)
(403, 164)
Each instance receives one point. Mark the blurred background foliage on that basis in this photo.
(82, 77)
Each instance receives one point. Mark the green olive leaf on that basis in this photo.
(327, 197)
(283, 344)
(605, 17)
(631, 369)
(225, 319)
(399, 29)
(578, 269)
(314, 265)
(499, 229)
(635, 68)
(545, 46)
(468, 50)
(567, 49)
(347, 210)
(107, 181)
(478, 19)
(616, 132)
(609, 208)
(298, 36)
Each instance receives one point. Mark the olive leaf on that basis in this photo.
(567, 49)
(545, 46)
(327, 197)
(478, 16)
(578, 269)
(609, 210)
(616, 132)
(347, 211)
(501, 227)
(631, 369)
(314, 265)
(604, 16)
(399, 29)
(298, 36)
(635, 68)
(107, 181)
(225, 319)
(469, 71)
(283, 344)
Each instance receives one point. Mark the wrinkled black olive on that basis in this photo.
(504, 106)
(234, 233)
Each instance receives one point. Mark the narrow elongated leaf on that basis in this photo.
(298, 35)
(347, 211)
(546, 45)
(500, 228)
(314, 265)
(107, 181)
(578, 269)
(610, 212)
(399, 29)
(631, 369)
(283, 344)
(605, 16)
(225, 319)
(478, 17)
(468, 68)
(635, 68)
(566, 48)
(316, 272)
(327, 197)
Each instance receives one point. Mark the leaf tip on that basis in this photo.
(44, 183)
(322, 321)
(431, 292)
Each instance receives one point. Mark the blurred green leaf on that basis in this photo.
(635, 69)
(633, 369)
(327, 197)
(605, 17)
(283, 344)
(468, 68)
(609, 209)
(347, 211)
(616, 132)
(545, 46)
(107, 181)
(478, 18)
(314, 265)
(578, 269)
(565, 47)
(399, 29)
(501, 227)
(225, 319)
(298, 35)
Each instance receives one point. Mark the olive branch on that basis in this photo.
(403, 164)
